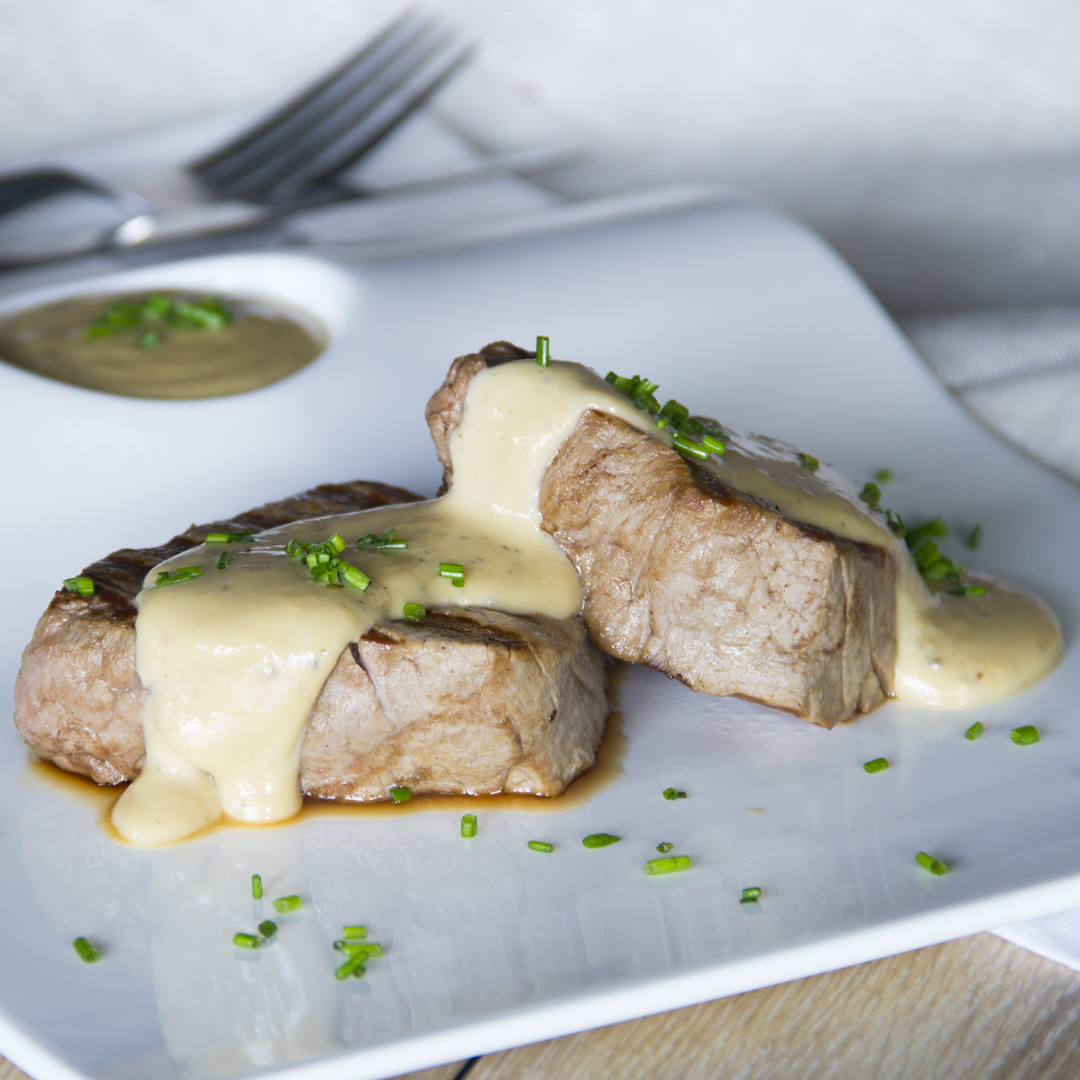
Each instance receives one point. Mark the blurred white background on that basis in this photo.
(935, 144)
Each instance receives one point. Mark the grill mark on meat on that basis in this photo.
(119, 576)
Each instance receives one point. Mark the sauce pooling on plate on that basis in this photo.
(171, 345)
(235, 657)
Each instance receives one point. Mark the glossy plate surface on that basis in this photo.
(732, 309)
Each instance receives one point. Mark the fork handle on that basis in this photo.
(22, 189)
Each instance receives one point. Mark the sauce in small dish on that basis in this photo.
(166, 344)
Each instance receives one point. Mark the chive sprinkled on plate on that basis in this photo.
(543, 351)
(600, 839)
(414, 612)
(877, 765)
(809, 462)
(541, 845)
(359, 954)
(453, 572)
(671, 794)
(247, 941)
(468, 826)
(871, 495)
(750, 895)
(974, 731)
(81, 585)
(88, 954)
(975, 538)
(400, 793)
(665, 846)
(1024, 735)
(934, 865)
(354, 932)
(285, 905)
(267, 928)
(223, 561)
(883, 476)
(256, 886)
(670, 865)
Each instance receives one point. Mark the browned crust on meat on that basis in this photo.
(520, 703)
(467, 700)
(78, 700)
(701, 582)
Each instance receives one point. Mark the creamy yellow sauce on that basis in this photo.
(234, 659)
(262, 345)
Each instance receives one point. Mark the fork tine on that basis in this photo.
(354, 140)
(279, 131)
(354, 125)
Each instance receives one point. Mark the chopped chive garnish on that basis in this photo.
(928, 862)
(354, 933)
(685, 445)
(244, 537)
(600, 839)
(871, 495)
(541, 845)
(267, 928)
(879, 764)
(87, 953)
(415, 612)
(468, 826)
(158, 310)
(358, 948)
(543, 351)
(936, 527)
(247, 941)
(808, 461)
(896, 523)
(671, 794)
(256, 886)
(968, 590)
(388, 539)
(354, 966)
(284, 905)
(1024, 736)
(975, 537)
(750, 895)
(400, 794)
(453, 572)
(883, 476)
(352, 575)
(974, 731)
(81, 585)
(324, 566)
(665, 847)
(223, 561)
(669, 865)
(642, 394)
(183, 573)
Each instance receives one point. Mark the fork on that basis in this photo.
(294, 158)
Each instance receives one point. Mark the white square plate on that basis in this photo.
(731, 307)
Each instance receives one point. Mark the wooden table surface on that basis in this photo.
(974, 1008)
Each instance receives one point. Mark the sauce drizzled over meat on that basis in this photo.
(234, 659)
